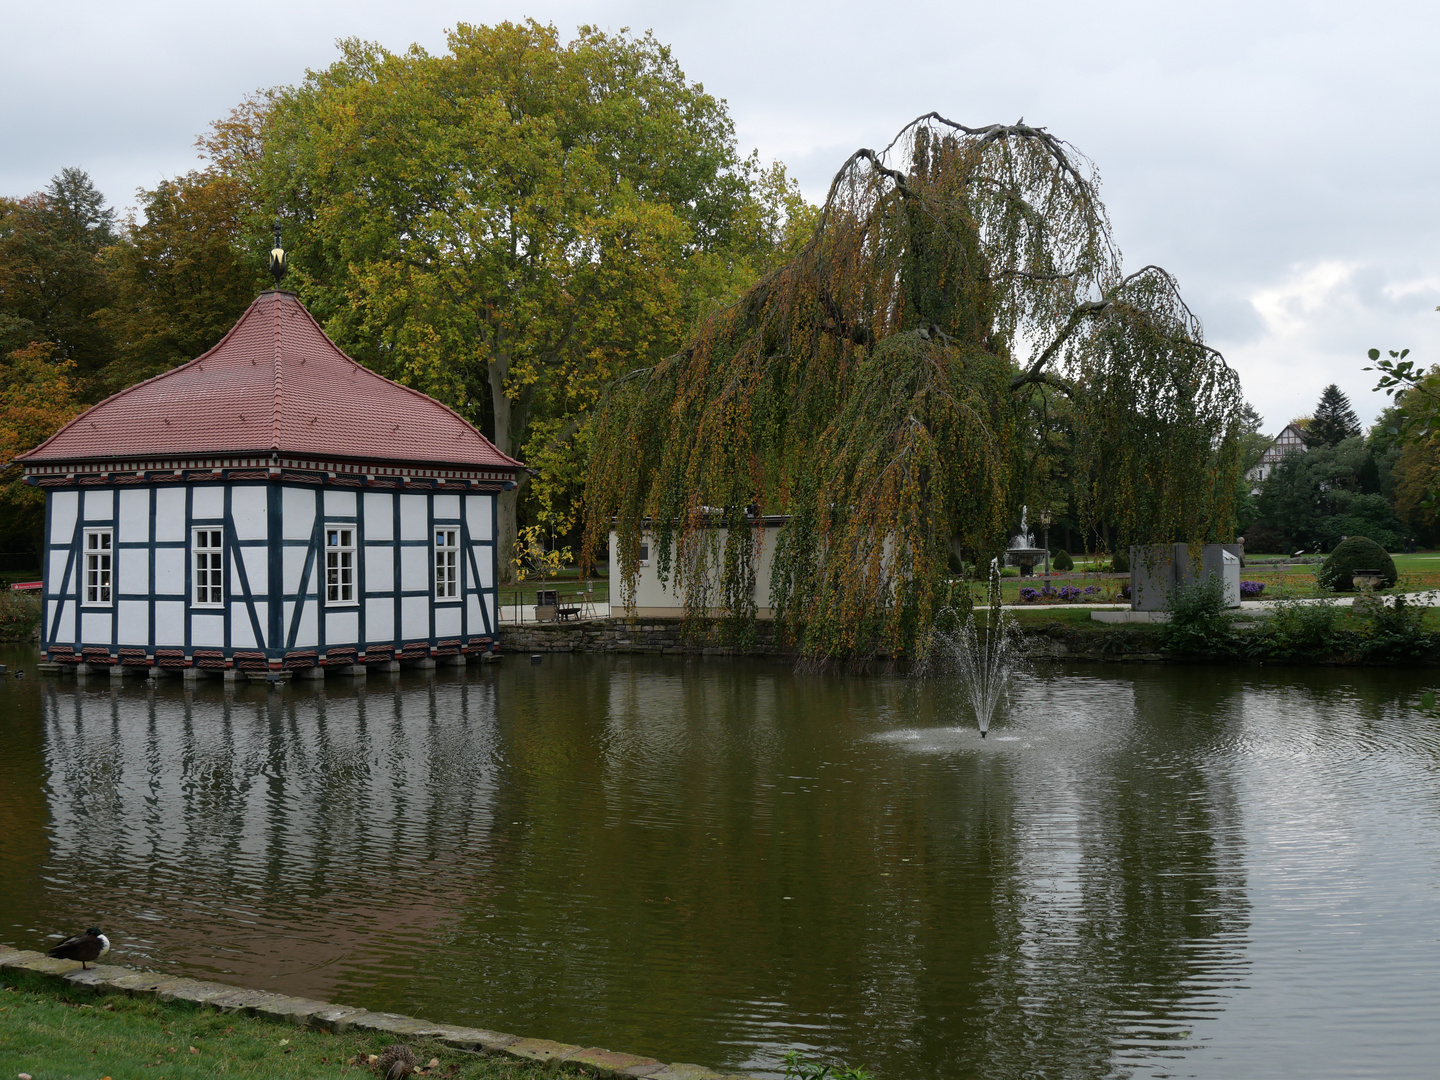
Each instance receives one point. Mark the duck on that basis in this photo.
(85, 947)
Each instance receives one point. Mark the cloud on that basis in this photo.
(1314, 325)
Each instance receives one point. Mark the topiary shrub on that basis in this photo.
(1356, 553)
(1062, 561)
(1120, 562)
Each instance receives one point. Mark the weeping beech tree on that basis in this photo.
(885, 387)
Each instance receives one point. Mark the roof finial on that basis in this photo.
(277, 258)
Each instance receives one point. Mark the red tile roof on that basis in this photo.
(275, 383)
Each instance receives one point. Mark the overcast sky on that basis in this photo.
(1278, 158)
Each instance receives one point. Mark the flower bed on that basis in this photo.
(1251, 590)
(1065, 594)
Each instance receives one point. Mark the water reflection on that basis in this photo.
(719, 862)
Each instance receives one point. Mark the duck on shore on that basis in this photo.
(86, 947)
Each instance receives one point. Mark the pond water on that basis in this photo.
(1144, 871)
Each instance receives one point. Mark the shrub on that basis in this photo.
(1299, 630)
(1251, 590)
(1120, 562)
(19, 615)
(1199, 620)
(1397, 630)
(1356, 553)
(1062, 561)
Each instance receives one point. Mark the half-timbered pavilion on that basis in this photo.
(269, 506)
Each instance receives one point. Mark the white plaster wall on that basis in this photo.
(414, 517)
(415, 568)
(169, 622)
(651, 593)
(65, 630)
(64, 505)
(207, 631)
(479, 515)
(379, 515)
(447, 620)
(134, 620)
(342, 627)
(242, 634)
(169, 571)
(490, 607)
(250, 512)
(340, 503)
(170, 513)
(380, 618)
(485, 561)
(379, 569)
(447, 507)
(293, 562)
(472, 614)
(55, 576)
(415, 617)
(95, 627)
(132, 570)
(99, 505)
(298, 513)
(208, 501)
(134, 516)
(308, 633)
(257, 570)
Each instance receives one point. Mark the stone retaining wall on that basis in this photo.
(668, 637)
(111, 979)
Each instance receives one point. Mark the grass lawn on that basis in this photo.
(567, 583)
(1033, 619)
(81, 1036)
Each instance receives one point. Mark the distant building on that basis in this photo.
(1290, 441)
(661, 599)
(269, 506)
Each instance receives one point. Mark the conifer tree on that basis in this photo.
(1334, 422)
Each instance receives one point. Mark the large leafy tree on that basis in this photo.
(885, 388)
(38, 393)
(1315, 498)
(52, 280)
(179, 277)
(508, 225)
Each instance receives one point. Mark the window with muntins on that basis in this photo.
(209, 551)
(447, 564)
(99, 565)
(339, 564)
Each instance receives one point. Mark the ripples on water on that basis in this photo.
(1142, 872)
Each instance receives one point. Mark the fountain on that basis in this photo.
(1022, 551)
(984, 660)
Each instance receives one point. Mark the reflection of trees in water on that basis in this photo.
(777, 879)
(699, 861)
(269, 832)
(1122, 920)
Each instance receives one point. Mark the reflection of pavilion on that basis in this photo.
(258, 826)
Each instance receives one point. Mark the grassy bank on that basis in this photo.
(48, 1032)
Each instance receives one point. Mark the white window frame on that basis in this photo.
(446, 562)
(209, 576)
(340, 564)
(99, 561)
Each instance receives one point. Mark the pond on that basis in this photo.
(1145, 871)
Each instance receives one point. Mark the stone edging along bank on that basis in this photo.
(669, 637)
(304, 1012)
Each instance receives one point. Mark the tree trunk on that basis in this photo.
(509, 417)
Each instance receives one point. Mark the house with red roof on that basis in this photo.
(271, 506)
